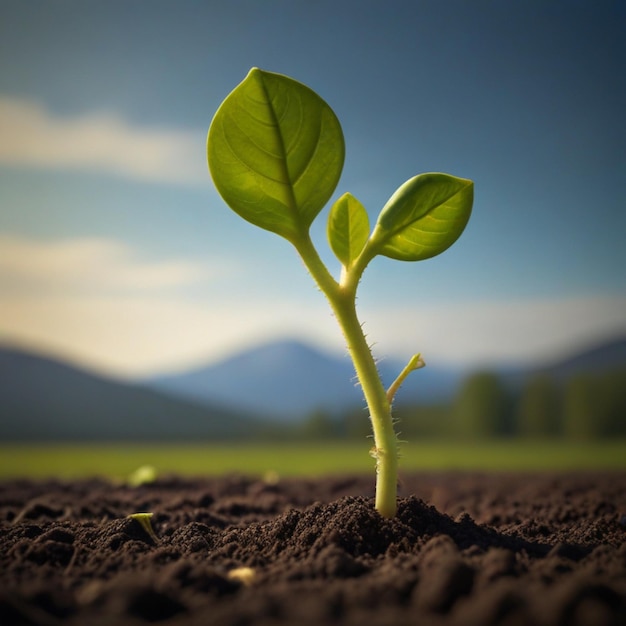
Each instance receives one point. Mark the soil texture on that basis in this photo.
(465, 549)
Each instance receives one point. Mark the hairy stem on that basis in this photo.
(342, 299)
(385, 449)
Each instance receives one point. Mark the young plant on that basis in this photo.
(275, 152)
(144, 520)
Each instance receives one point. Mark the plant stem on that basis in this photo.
(385, 449)
(342, 300)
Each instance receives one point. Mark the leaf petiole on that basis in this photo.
(415, 363)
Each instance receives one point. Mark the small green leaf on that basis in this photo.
(424, 217)
(348, 228)
(143, 519)
(143, 475)
(275, 151)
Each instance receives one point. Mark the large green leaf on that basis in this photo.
(424, 217)
(348, 228)
(275, 151)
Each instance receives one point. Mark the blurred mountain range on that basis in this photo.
(45, 399)
(288, 380)
(596, 359)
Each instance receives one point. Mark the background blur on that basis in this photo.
(120, 264)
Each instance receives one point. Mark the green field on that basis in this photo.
(117, 461)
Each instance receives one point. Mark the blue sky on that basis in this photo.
(117, 253)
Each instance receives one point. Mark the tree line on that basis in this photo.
(582, 407)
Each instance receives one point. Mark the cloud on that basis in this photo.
(92, 301)
(477, 333)
(88, 265)
(139, 335)
(97, 302)
(100, 142)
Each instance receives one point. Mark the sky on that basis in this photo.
(116, 252)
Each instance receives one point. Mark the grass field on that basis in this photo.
(117, 461)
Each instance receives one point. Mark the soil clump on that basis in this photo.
(465, 549)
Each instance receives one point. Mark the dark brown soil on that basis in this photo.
(465, 549)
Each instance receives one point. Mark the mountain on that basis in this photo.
(287, 380)
(595, 359)
(43, 399)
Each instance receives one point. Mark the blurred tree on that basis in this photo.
(614, 394)
(355, 424)
(480, 408)
(418, 422)
(538, 408)
(580, 408)
(595, 405)
(319, 425)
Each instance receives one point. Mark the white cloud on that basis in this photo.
(88, 264)
(90, 300)
(33, 137)
(95, 302)
(484, 332)
(132, 336)
(140, 335)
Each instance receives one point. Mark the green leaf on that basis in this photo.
(348, 228)
(275, 151)
(424, 217)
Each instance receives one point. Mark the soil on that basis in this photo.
(464, 549)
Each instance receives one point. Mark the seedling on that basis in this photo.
(245, 575)
(143, 519)
(143, 475)
(275, 152)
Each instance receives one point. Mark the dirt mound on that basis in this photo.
(464, 549)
